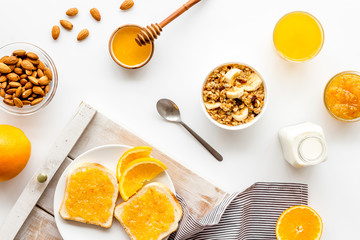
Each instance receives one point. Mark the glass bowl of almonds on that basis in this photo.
(234, 96)
(28, 78)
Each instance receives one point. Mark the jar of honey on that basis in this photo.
(125, 51)
(342, 96)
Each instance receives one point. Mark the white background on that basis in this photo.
(211, 33)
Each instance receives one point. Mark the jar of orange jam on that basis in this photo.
(342, 96)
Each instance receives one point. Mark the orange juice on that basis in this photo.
(298, 36)
(126, 51)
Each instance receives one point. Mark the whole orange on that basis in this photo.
(15, 150)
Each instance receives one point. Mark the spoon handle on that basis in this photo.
(203, 142)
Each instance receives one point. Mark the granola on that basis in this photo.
(233, 94)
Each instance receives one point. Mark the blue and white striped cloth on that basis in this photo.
(248, 215)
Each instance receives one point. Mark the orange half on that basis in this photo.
(299, 223)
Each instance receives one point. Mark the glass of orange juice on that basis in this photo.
(298, 36)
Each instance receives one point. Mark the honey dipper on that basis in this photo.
(150, 33)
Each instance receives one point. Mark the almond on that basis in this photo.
(11, 60)
(72, 12)
(27, 65)
(127, 4)
(83, 34)
(13, 77)
(48, 73)
(18, 102)
(36, 101)
(4, 68)
(55, 32)
(37, 90)
(44, 81)
(32, 55)
(95, 14)
(66, 24)
(9, 102)
(2, 79)
(19, 53)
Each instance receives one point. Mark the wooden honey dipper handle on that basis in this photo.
(150, 33)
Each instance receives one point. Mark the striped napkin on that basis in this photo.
(247, 215)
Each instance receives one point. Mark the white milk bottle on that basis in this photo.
(303, 144)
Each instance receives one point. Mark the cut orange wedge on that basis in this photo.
(137, 173)
(299, 223)
(131, 155)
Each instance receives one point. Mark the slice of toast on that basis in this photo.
(152, 213)
(90, 195)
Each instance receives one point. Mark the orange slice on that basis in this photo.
(137, 173)
(299, 223)
(131, 155)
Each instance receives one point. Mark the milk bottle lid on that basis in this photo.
(311, 149)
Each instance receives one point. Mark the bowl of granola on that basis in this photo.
(234, 96)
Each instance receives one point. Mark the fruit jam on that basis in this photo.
(90, 195)
(342, 96)
(149, 215)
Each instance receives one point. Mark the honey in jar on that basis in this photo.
(298, 36)
(124, 49)
(342, 96)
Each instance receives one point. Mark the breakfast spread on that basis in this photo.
(303, 144)
(90, 195)
(342, 96)
(153, 213)
(25, 79)
(233, 94)
(298, 36)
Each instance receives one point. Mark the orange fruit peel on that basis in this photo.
(137, 173)
(131, 155)
(298, 223)
(15, 151)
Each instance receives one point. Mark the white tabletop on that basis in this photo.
(211, 33)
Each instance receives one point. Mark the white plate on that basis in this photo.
(108, 156)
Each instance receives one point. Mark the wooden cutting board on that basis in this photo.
(200, 195)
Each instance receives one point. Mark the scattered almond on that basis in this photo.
(83, 34)
(95, 14)
(127, 4)
(72, 12)
(55, 32)
(66, 24)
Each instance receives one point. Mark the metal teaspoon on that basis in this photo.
(170, 112)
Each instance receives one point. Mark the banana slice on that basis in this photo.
(241, 115)
(235, 92)
(212, 105)
(231, 75)
(253, 84)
